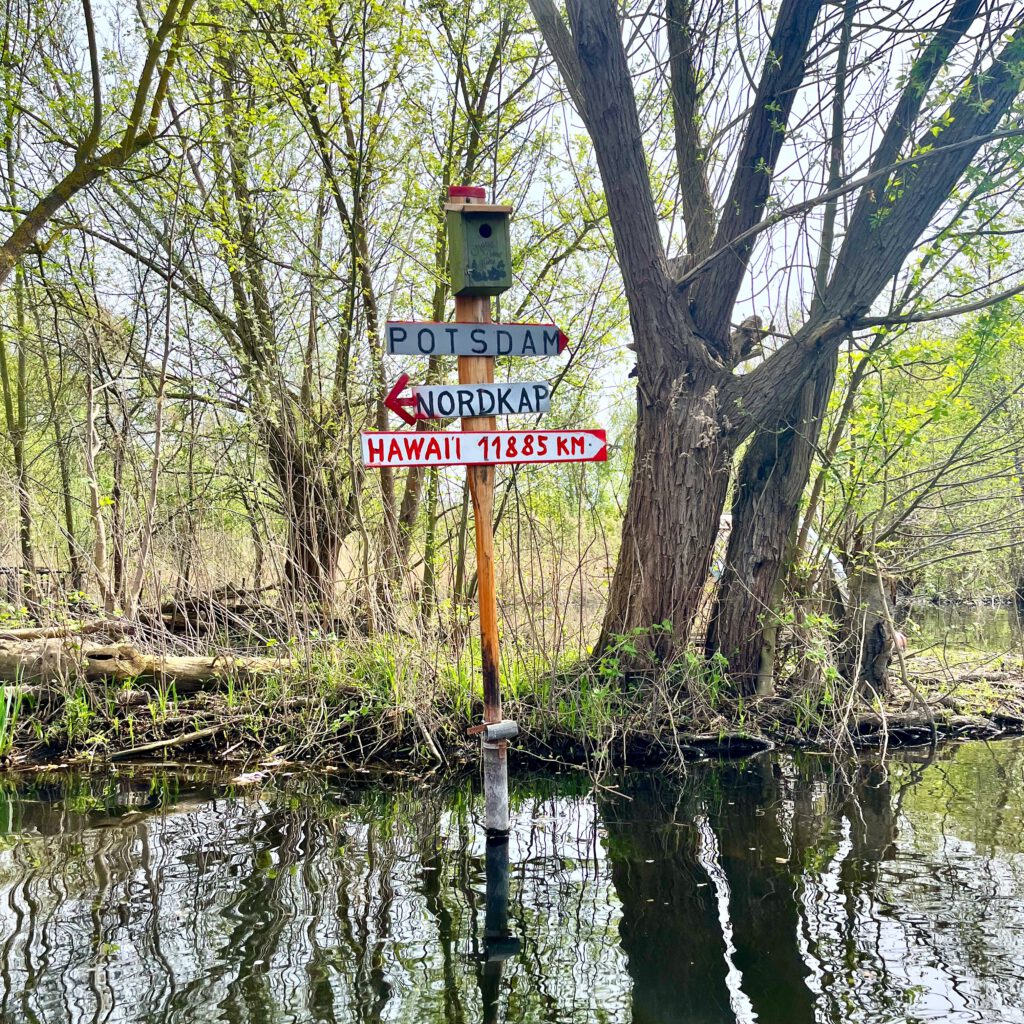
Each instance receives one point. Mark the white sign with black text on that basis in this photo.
(407, 338)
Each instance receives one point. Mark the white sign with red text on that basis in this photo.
(481, 447)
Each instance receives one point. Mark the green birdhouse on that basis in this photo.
(479, 250)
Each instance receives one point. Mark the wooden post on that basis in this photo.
(480, 370)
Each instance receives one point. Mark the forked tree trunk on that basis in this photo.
(693, 410)
(677, 490)
(772, 477)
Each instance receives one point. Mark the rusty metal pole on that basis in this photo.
(480, 370)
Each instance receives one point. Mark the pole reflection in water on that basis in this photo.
(499, 943)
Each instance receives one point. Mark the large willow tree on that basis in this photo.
(814, 145)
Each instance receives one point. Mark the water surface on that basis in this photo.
(778, 889)
(985, 629)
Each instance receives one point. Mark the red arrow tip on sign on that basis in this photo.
(398, 405)
(563, 342)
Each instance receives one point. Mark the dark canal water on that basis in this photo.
(774, 890)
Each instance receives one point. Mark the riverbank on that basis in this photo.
(93, 695)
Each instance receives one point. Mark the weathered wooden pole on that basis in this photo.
(480, 370)
(480, 265)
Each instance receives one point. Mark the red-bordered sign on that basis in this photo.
(481, 447)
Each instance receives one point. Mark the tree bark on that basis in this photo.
(318, 518)
(677, 491)
(776, 468)
(693, 411)
(772, 477)
(868, 640)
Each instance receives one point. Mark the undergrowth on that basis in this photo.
(397, 700)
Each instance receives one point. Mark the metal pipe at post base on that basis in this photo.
(495, 773)
(499, 943)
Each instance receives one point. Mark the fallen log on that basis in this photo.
(973, 727)
(115, 627)
(898, 729)
(726, 744)
(1009, 721)
(29, 662)
(189, 673)
(200, 613)
(53, 660)
(174, 741)
(873, 722)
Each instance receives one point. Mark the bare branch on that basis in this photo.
(698, 210)
(878, 242)
(781, 75)
(941, 314)
(806, 205)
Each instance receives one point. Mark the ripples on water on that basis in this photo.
(775, 890)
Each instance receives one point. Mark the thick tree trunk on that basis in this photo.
(684, 438)
(677, 491)
(868, 637)
(316, 514)
(16, 418)
(772, 477)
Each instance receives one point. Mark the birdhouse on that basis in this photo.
(479, 249)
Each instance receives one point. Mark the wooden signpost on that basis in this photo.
(480, 265)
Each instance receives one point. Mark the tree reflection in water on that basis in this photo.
(778, 890)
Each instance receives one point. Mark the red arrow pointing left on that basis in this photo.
(399, 405)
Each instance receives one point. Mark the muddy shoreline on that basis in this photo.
(204, 730)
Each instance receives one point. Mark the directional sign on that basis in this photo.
(406, 338)
(443, 401)
(483, 447)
